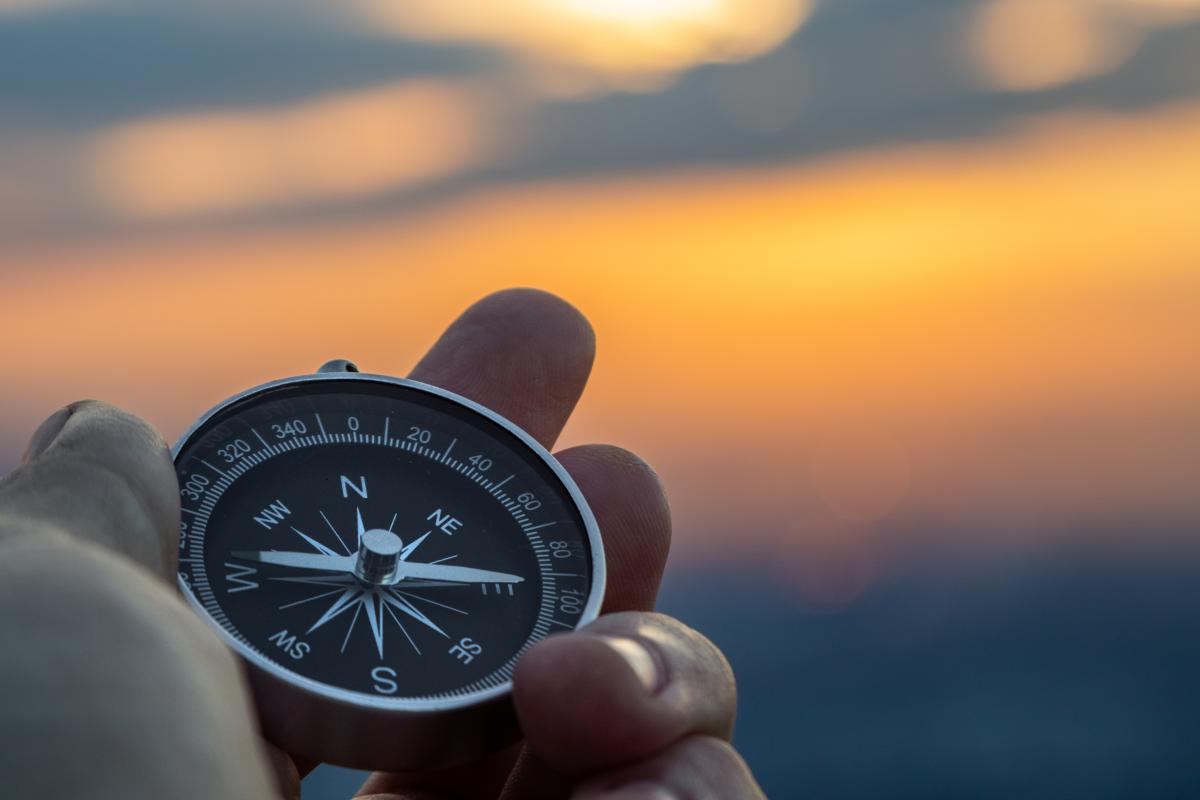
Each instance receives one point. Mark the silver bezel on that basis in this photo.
(405, 707)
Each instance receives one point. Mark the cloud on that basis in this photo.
(332, 148)
(1038, 44)
(33, 6)
(130, 83)
(1000, 331)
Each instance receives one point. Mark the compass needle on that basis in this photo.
(280, 489)
(284, 558)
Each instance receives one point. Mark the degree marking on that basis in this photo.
(218, 470)
(320, 424)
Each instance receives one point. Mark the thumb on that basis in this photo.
(95, 472)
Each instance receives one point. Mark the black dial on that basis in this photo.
(378, 541)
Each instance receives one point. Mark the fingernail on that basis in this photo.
(46, 433)
(639, 658)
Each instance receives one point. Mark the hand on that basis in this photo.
(118, 690)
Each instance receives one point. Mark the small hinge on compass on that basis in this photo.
(338, 365)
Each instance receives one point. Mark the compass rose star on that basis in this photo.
(372, 602)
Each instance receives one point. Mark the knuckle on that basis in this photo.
(693, 660)
(106, 477)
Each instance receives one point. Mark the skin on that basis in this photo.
(117, 690)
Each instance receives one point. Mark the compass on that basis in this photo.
(380, 552)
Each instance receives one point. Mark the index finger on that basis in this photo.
(523, 353)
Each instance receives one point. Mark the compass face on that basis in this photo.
(380, 542)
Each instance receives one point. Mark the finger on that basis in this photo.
(97, 473)
(698, 766)
(286, 770)
(635, 523)
(111, 687)
(631, 510)
(482, 778)
(523, 353)
(632, 514)
(620, 690)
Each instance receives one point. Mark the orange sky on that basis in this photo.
(1001, 331)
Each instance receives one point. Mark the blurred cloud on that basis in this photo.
(1039, 44)
(87, 89)
(336, 147)
(978, 334)
(580, 45)
(27, 6)
(1036, 44)
(764, 95)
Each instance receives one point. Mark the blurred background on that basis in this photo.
(901, 298)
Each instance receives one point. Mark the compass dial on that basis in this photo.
(375, 543)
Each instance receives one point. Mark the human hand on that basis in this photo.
(123, 692)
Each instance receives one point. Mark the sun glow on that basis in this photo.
(647, 13)
(625, 43)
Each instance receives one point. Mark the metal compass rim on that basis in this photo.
(401, 705)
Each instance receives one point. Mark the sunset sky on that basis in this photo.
(858, 269)
(900, 297)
